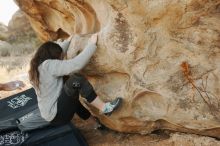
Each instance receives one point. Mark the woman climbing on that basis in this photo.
(59, 100)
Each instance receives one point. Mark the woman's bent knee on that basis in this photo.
(74, 81)
(81, 84)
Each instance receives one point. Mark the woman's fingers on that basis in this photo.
(94, 38)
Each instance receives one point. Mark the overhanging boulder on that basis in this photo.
(162, 57)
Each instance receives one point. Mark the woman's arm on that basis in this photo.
(64, 44)
(65, 67)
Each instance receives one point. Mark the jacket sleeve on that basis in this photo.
(64, 44)
(65, 67)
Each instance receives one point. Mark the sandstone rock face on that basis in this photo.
(161, 56)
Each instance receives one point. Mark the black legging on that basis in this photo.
(68, 102)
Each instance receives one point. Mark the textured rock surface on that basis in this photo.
(161, 56)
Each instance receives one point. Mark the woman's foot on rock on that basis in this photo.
(112, 106)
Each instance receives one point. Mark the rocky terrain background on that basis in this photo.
(17, 44)
(18, 38)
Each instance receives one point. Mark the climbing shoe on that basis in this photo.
(112, 106)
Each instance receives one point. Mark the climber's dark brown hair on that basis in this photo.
(48, 50)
